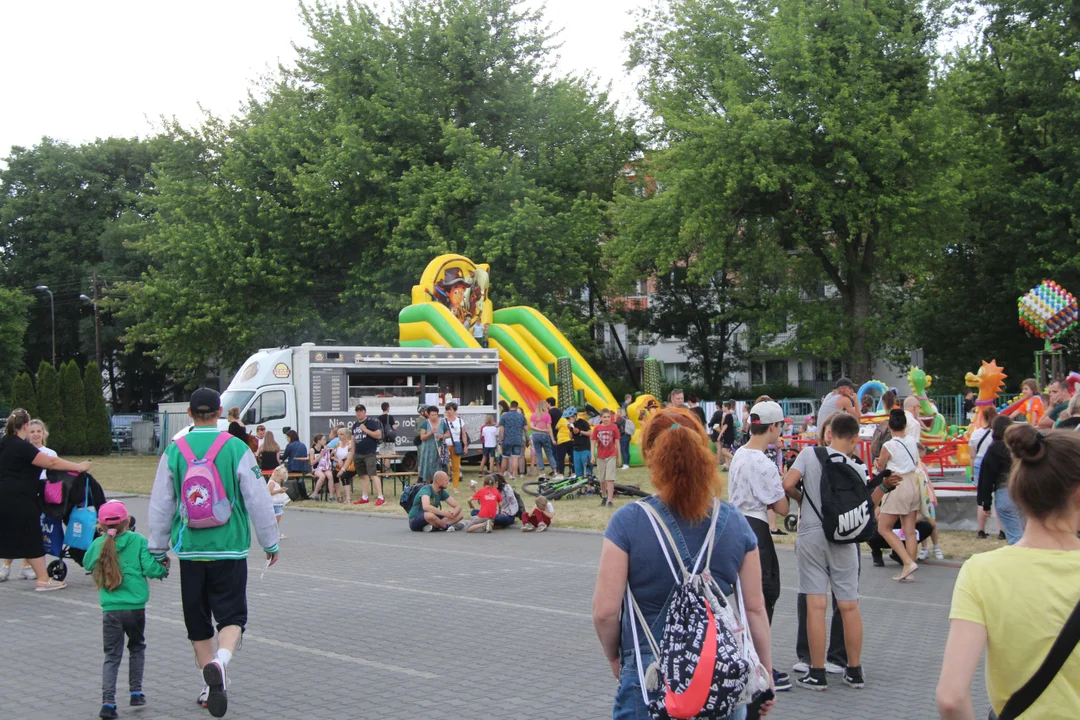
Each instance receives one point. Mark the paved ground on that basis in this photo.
(362, 619)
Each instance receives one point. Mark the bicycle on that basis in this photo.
(588, 485)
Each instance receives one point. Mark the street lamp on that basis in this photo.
(97, 326)
(52, 314)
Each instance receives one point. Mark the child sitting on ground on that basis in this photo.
(120, 562)
(489, 498)
(278, 496)
(540, 518)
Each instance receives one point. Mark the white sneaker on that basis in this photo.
(203, 696)
(5, 571)
(801, 667)
(938, 554)
(215, 677)
(426, 528)
(923, 553)
(451, 528)
(28, 573)
(527, 528)
(488, 526)
(558, 476)
(833, 669)
(625, 467)
(541, 527)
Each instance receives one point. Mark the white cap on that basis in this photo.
(766, 413)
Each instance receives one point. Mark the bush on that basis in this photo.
(776, 391)
(98, 432)
(49, 408)
(73, 400)
(23, 396)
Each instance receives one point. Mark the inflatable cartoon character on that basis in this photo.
(990, 380)
(920, 383)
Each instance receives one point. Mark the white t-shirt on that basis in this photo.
(903, 455)
(976, 449)
(490, 435)
(52, 453)
(754, 483)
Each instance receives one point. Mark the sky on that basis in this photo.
(76, 71)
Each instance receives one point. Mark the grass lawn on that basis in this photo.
(135, 474)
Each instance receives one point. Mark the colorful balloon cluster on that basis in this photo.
(1048, 310)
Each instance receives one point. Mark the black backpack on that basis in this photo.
(847, 509)
(389, 434)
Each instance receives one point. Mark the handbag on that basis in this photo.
(82, 524)
(1059, 653)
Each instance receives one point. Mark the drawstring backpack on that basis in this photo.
(705, 658)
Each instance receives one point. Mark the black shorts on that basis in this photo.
(346, 478)
(213, 590)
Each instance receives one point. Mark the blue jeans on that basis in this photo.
(541, 443)
(581, 461)
(1008, 516)
(629, 704)
(624, 445)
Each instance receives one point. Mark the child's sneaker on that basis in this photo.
(923, 553)
(217, 700)
(138, 699)
(853, 676)
(814, 680)
(527, 528)
(488, 526)
(108, 710)
(541, 527)
(938, 555)
(203, 696)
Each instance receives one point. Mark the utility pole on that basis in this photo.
(97, 319)
(52, 316)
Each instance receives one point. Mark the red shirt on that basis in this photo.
(489, 499)
(607, 439)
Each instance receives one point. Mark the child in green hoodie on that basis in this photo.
(120, 562)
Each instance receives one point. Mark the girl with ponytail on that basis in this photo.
(1013, 602)
(683, 470)
(120, 562)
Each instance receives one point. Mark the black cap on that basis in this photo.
(845, 382)
(205, 400)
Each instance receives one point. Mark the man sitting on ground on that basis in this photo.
(428, 513)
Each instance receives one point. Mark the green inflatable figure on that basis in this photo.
(920, 383)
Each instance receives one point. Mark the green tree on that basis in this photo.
(437, 128)
(1013, 92)
(13, 321)
(49, 407)
(814, 124)
(22, 394)
(98, 430)
(73, 403)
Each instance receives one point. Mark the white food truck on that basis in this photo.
(313, 388)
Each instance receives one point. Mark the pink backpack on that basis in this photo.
(203, 502)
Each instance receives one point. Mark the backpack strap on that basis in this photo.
(185, 449)
(219, 442)
(1060, 651)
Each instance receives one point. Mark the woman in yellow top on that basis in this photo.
(1014, 601)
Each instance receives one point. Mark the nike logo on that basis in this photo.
(689, 704)
(852, 522)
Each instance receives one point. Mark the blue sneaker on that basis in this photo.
(137, 699)
(781, 680)
(108, 710)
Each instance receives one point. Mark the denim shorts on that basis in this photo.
(489, 453)
(511, 450)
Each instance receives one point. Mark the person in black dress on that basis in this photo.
(20, 492)
(270, 455)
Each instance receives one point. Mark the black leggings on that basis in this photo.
(877, 544)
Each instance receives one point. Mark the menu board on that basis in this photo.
(328, 389)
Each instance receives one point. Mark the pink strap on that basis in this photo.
(185, 450)
(211, 454)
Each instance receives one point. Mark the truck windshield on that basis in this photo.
(236, 398)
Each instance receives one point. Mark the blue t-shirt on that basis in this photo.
(649, 576)
(513, 425)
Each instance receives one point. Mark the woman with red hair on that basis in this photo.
(683, 470)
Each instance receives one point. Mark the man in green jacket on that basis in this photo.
(213, 560)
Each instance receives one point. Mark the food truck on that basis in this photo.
(312, 388)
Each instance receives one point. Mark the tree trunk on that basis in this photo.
(857, 300)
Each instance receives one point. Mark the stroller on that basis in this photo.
(55, 517)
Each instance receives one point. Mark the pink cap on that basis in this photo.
(112, 513)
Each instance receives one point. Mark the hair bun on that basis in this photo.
(1025, 442)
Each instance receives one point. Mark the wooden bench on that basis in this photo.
(393, 477)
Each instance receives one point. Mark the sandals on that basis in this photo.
(50, 585)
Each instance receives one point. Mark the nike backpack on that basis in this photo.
(847, 508)
(706, 665)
